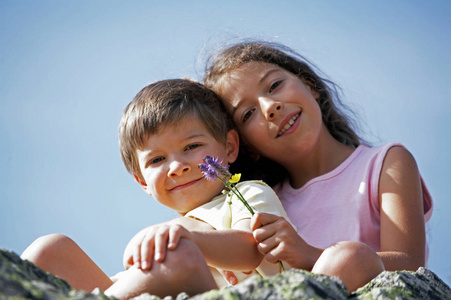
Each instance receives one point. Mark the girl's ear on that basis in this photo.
(311, 87)
(141, 183)
(232, 145)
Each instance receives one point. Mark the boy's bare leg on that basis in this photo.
(183, 270)
(61, 256)
(354, 263)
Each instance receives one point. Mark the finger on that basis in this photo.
(127, 259)
(264, 233)
(268, 245)
(256, 221)
(161, 240)
(262, 219)
(131, 250)
(174, 237)
(137, 254)
(147, 252)
(229, 276)
(274, 255)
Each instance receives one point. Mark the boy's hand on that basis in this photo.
(278, 240)
(229, 276)
(152, 243)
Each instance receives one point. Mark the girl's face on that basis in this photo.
(276, 113)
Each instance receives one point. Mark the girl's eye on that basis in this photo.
(248, 114)
(274, 85)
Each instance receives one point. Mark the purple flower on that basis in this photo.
(213, 168)
(209, 172)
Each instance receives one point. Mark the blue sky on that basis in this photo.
(69, 68)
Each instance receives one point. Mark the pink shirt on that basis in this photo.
(343, 205)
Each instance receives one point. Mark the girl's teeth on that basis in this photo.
(288, 125)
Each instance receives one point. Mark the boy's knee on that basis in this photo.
(186, 258)
(46, 247)
(183, 270)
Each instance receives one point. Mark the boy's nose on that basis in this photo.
(270, 107)
(177, 168)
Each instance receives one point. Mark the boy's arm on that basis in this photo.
(232, 249)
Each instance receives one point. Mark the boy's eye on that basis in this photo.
(154, 161)
(274, 85)
(247, 115)
(192, 146)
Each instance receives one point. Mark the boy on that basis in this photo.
(164, 134)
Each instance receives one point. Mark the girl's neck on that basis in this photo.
(326, 156)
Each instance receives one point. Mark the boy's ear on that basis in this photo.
(141, 183)
(232, 145)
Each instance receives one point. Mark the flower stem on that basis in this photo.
(238, 194)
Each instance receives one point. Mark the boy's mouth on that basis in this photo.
(289, 124)
(185, 185)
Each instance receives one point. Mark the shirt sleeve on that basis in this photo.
(260, 197)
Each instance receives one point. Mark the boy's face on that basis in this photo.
(169, 164)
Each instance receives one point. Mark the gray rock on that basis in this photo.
(21, 279)
(422, 284)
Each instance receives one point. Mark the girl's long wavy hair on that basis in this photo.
(335, 115)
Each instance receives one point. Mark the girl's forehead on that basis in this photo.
(255, 66)
(250, 72)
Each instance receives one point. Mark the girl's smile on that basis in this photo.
(290, 125)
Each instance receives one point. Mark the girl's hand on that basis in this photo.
(278, 240)
(152, 243)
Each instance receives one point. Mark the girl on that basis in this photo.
(342, 195)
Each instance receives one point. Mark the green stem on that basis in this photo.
(237, 192)
(240, 196)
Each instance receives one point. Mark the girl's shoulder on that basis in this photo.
(380, 149)
(378, 154)
(400, 172)
(364, 162)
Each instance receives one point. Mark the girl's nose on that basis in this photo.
(177, 168)
(270, 107)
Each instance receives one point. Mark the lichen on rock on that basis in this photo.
(21, 279)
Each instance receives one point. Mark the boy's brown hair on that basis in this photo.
(168, 103)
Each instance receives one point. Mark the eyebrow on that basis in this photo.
(149, 153)
(267, 74)
(185, 139)
(262, 79)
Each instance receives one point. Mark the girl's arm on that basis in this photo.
(403, 237)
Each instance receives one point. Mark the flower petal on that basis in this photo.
(235, 178)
